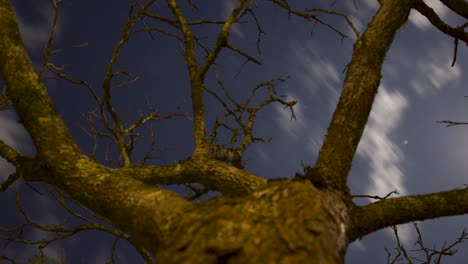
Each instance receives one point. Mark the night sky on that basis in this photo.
(403, 148)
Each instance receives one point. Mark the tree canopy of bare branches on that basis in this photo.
(310, 218)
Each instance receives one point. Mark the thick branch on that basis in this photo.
(28, 94)
(196, 84)
(146, 212)
(215, 175)
(120, 198)
(458, 6)
(402, 210)
(359, 90)
(9, 154)
(429, 13)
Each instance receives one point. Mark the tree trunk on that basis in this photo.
(289, 221)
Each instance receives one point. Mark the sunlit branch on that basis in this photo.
(214, 175)
(28, 94)
(196, 84)
(359, 90)
(395, 211)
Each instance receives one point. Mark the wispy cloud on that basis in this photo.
(376, 146)
(316, 71)
(303, 129)
(283, 119)
(434, 71)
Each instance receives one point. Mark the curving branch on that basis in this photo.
(430, 14)
(214, 175)
(395, 211)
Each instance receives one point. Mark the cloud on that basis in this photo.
(316, 71)
(303, 130)
(421, 21)
(434, 71)
(377, 147)
(383, 154)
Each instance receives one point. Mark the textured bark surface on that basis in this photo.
(359, 90)
(287, 222)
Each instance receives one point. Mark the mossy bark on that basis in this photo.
(288, 221)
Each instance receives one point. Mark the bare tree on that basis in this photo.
(310, 218)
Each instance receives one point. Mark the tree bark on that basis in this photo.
(288, 221)
(359, 90)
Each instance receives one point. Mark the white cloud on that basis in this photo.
(377, 147)
(316, 72)
(434, 71)
(421, 21)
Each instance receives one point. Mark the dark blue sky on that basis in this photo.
(402, 148)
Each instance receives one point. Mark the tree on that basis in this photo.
(310, 218)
